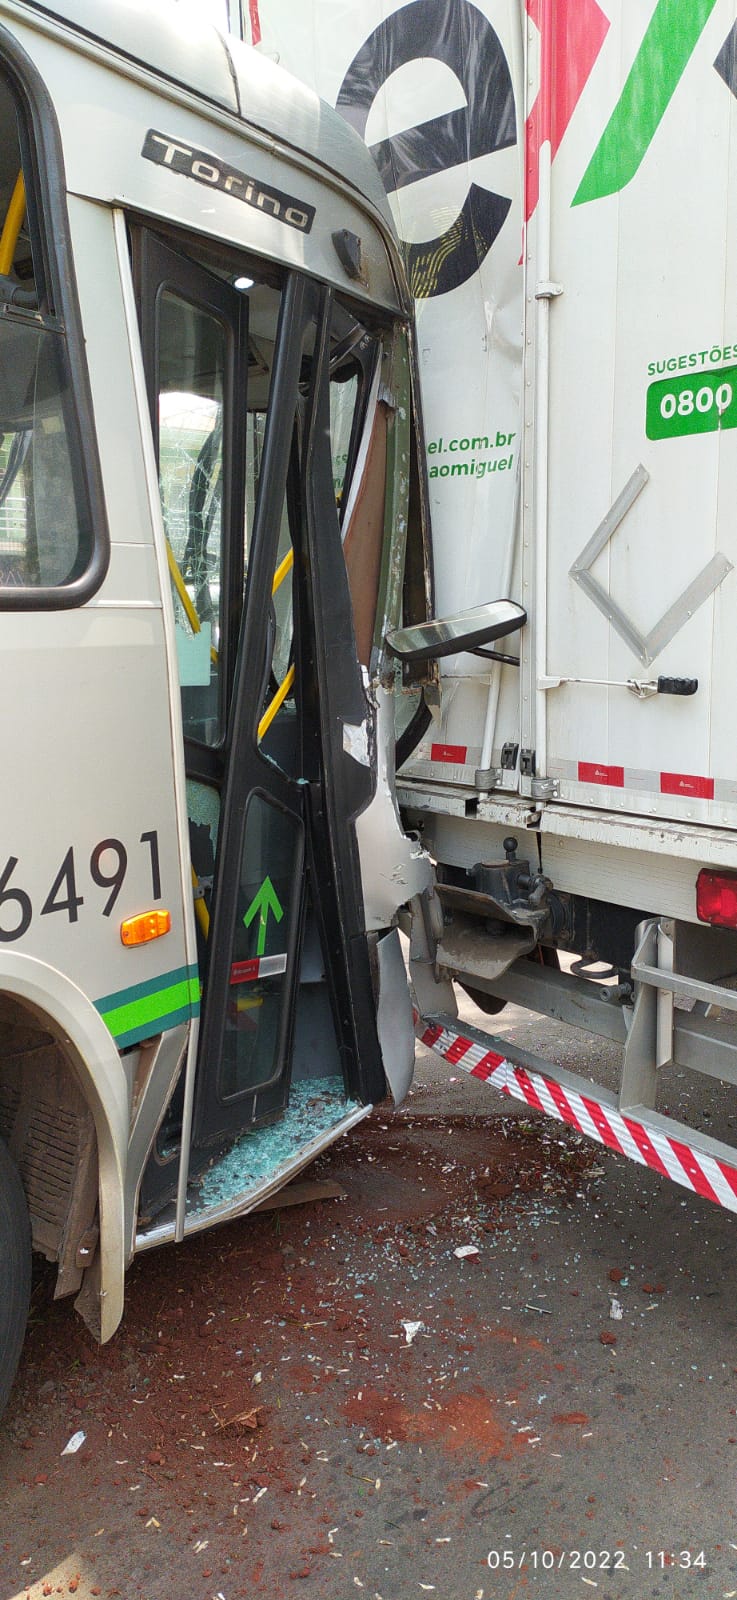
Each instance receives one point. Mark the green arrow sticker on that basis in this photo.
(264, 901)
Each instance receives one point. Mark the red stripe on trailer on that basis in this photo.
(457, 1050)
(729, 1174)
(255, 21)
(689, 1166)
(528, 1088)
(693, 1170)
(645, 1146)
(565, 1108)
(686, 783)
(577, 36)
(486, 1066)
(595, 772)
(452, 753)
(602, 1124)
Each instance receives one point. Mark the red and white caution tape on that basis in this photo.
(257, 967)
(672, 1158)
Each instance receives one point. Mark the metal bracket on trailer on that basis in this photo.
(646, 646)
(703, 1165)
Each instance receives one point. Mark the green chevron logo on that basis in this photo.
(671, 38)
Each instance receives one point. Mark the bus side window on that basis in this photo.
(46, 537)
(192, 356)
(343, 397)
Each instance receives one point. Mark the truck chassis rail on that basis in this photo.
(703, 1165)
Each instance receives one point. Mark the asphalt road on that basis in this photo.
(265, 1423)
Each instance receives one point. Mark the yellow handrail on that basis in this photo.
(275, 704)
(12, 225)
(179, 585)
(200, 909)
(285, 566)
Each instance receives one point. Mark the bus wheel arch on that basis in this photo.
(62, 1039)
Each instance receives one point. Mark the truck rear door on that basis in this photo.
(641, 464)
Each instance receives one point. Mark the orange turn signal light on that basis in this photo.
(147, 925)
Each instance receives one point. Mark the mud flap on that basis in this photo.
(431, 992)
(395, 1023)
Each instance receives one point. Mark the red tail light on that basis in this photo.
(716, 898)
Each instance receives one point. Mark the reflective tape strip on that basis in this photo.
(489, 1067)
(258, 967)
(449, 752)
(648, 1146)
(147, 1008)
(684, 785)
(589, 772)
(688, 784)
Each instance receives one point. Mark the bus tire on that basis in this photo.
(15, 1271)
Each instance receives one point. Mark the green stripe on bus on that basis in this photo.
(145, 1030)
(150, 1007)
(137, 991)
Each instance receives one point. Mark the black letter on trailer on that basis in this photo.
(458, 34)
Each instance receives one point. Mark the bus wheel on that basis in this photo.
(15, 1271)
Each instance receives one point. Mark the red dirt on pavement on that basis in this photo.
(464, 1423)
(257, 1366)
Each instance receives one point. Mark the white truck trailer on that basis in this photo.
(562, 175)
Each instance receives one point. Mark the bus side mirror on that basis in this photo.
(447, 636)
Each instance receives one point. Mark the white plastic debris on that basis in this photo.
(616, 1311)
(73, 1446)
(464, 1250)
(411, 1330)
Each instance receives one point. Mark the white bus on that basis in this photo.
(211, 514)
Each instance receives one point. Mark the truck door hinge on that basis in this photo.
(545, 789)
